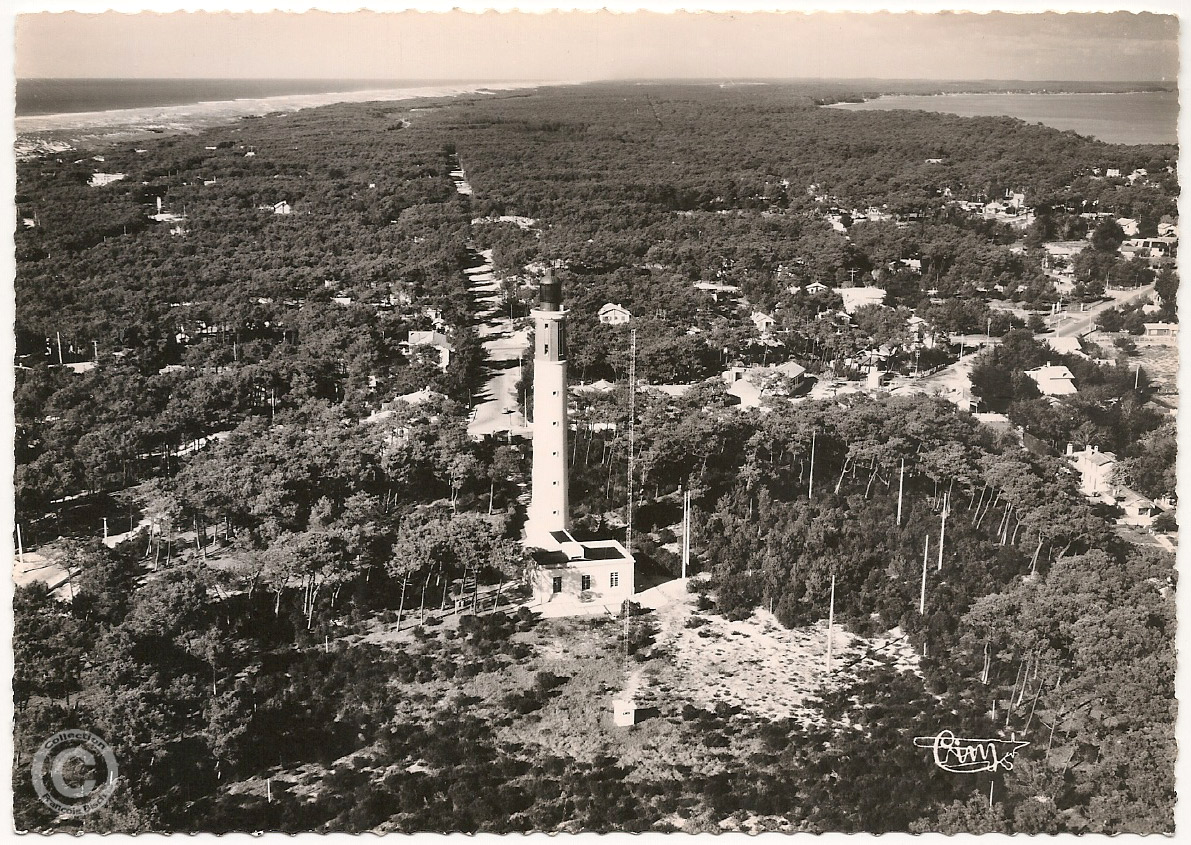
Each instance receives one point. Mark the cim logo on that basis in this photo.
(961, 754)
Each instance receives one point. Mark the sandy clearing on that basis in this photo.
(755, 663)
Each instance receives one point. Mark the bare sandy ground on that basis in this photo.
(755, 663)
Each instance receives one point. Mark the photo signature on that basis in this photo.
(961, 754)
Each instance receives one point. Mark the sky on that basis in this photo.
(598, 45)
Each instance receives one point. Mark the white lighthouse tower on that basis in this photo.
(571, 577)
(549, 504)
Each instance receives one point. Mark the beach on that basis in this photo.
(37, 134)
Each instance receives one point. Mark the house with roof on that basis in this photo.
(1095, 469)
(789, 369)
(1066, 346)
(872, 214)
(718, 291)
(435, 340)
(1053, 380)
(1129, 226)
(1138, 509)
(1098, 481)
(816, 287)
(745, 393)
(614, 314)
(764, 323)
(996, 421)
(1162, 331)
(98, 180)
(747, 385)
(859, 297)
(920, 331)
(1152, 250)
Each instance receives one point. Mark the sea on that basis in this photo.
(1127, 118)
(58, 114)
(66, 96)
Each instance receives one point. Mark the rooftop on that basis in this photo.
(570, 550)
(858, 297)
(1053, 380)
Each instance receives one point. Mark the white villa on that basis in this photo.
(614, 314)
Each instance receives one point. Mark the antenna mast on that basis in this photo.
(628, 531)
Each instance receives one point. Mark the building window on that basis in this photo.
(545, 349)
(556, 584)
(614, 579)
(586, 582)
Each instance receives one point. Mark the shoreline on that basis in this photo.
(1136, 118)
(1015, 92)
(35, 134)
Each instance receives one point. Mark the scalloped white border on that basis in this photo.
(8, 10)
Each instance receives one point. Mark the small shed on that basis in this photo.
(625, 712)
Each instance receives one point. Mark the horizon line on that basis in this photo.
(572, 81)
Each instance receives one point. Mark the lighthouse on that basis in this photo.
(549, 505)
(570, 577)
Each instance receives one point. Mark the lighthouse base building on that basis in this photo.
(592, 576)
(569, 576)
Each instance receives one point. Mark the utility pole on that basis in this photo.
(943, 527)
(95, 346)
(830, 621)
(925, 560)
(810, 485)
(686, 530)
(20, 546)
(628, 532)
(901, 480)
(60, 362)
